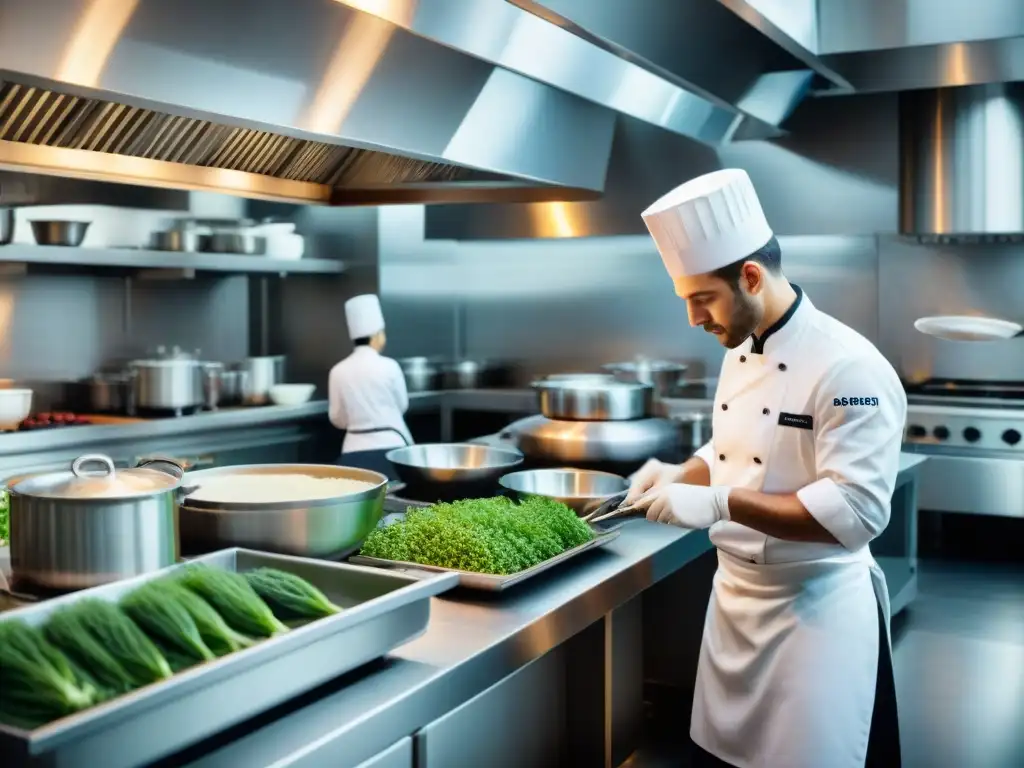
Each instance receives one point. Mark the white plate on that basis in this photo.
(966, 328)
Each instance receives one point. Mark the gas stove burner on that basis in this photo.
(968, 388)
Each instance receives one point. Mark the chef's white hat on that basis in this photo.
(707, 223)
(363, 315)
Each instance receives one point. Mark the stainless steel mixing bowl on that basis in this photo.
(444, 463)
(580, 489)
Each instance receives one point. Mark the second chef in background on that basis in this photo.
(366, 391)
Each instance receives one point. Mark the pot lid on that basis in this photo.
(643, 364)
(93, 477)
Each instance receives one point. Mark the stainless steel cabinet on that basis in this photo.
(517, 722)
(399, 755)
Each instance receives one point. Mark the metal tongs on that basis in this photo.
(611, 509)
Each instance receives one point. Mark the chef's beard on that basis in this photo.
(747, 314)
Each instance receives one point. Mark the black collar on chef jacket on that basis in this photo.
(757, 342)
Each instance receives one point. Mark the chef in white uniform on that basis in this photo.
(366, 391)
(795, 666)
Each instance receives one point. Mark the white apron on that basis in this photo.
(789, 659)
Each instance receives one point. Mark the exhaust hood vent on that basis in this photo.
(45, 118)
(308, 101)
(962, 164)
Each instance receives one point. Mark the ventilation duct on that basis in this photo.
(962, 163)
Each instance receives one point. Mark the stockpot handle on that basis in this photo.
(160, 464)
(78, 465)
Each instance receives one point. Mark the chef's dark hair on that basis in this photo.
(768, 256)
(362, 341)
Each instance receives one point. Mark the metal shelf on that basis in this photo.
(136, 258)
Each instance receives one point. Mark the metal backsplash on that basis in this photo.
(576, 304)
(918, 280)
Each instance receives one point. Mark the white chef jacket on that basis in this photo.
(791, 643)
(366, 391)
(811, 408)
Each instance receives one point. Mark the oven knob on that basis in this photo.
(1011, 437)
(972, 435)
(915, 430)
(941, 433)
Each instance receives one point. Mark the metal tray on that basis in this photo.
(383, 610)
(486, 582)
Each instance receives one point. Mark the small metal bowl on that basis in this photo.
(55, 232)
(581, 490)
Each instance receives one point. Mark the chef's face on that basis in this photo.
(730, 310)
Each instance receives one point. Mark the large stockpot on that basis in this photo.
(421, 374)
(171, 382)
(93, 524)
(326, 528)
(594, 442)
(587, 399)
(261, 373)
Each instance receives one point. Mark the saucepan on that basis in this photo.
(968, 328)
(448, 463)
(583, 491)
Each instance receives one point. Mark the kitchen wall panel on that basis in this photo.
(66, 327)
(564, 305)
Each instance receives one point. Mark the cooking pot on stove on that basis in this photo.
(169, 381)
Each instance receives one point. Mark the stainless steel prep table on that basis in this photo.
(470, 645)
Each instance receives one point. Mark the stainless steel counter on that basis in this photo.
(470, 645)
(83, 437)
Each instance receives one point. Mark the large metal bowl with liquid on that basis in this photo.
(325, 527)
(579, 489)
(447, 463)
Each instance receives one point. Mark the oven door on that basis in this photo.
(979, 485)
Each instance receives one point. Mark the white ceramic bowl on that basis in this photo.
(15, 406)
(291, 394)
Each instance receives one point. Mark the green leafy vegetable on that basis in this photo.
(108, 626)
(67, 629)
(494, 535)
(37, 684)
(166, 620)
(232, 597)
(289, 595)
(215, 632)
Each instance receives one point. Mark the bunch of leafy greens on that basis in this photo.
(494, 536)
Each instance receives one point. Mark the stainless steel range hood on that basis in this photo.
(962, 163)
(305, 101)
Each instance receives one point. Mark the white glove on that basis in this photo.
(653, 474)
(688, 506)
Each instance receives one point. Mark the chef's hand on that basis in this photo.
(653, 474)
(688, 506)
